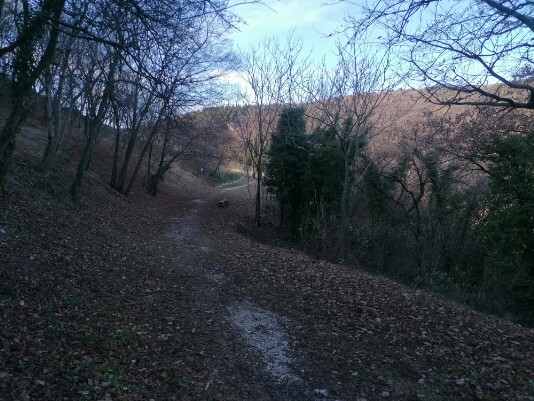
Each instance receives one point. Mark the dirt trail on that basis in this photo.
(172, 299)
(317, 331)
(258, 335)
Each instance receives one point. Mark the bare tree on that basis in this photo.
(178, 139)
(184, 81)
(346, 100)
(476, 52)
(215, 145)
(136, 32)
(271, 72)
(26, 67)
(57, 77)
(136, 105)
(95, 126)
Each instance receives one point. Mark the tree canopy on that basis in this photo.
(476, 52)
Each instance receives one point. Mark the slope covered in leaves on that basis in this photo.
(374, 338)
(95, 302)
(115, 300)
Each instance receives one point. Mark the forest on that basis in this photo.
(184, 218)
(411, 158)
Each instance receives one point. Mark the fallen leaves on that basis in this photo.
(403, 343)
(99, 303)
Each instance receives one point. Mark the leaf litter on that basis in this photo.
(99, 302)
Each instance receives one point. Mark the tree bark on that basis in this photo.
(56, 123)
(141, 157)
(50, 121)
(24, 88)
(115, 166)
(94, 129)
(129, 149)
(257, 212)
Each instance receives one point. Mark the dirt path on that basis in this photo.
(172, 299)
(311, 330)
(254, 333)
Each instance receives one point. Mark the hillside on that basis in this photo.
(169, 298)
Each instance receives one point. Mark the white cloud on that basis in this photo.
(309, 19)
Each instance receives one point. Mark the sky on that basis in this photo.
(310, 20)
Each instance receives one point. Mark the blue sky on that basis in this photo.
(310, 20)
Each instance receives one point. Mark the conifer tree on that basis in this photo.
(286, 169)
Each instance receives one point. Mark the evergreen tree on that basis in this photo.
(325, 171)
(510, 207)
(286, 169)
(509, 223)
(323, 186)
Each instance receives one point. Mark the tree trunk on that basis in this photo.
(148, 143)
(149, 163)
(141, 157)
(219, 162)
(154, 180)
(127, 157)
(8, 135)
(257, 213)
(64, 141)
(56, 123)
(115, 167)
(94, 129)
(51, 122)
(344, 226)
(116, 149)
(24, 87)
